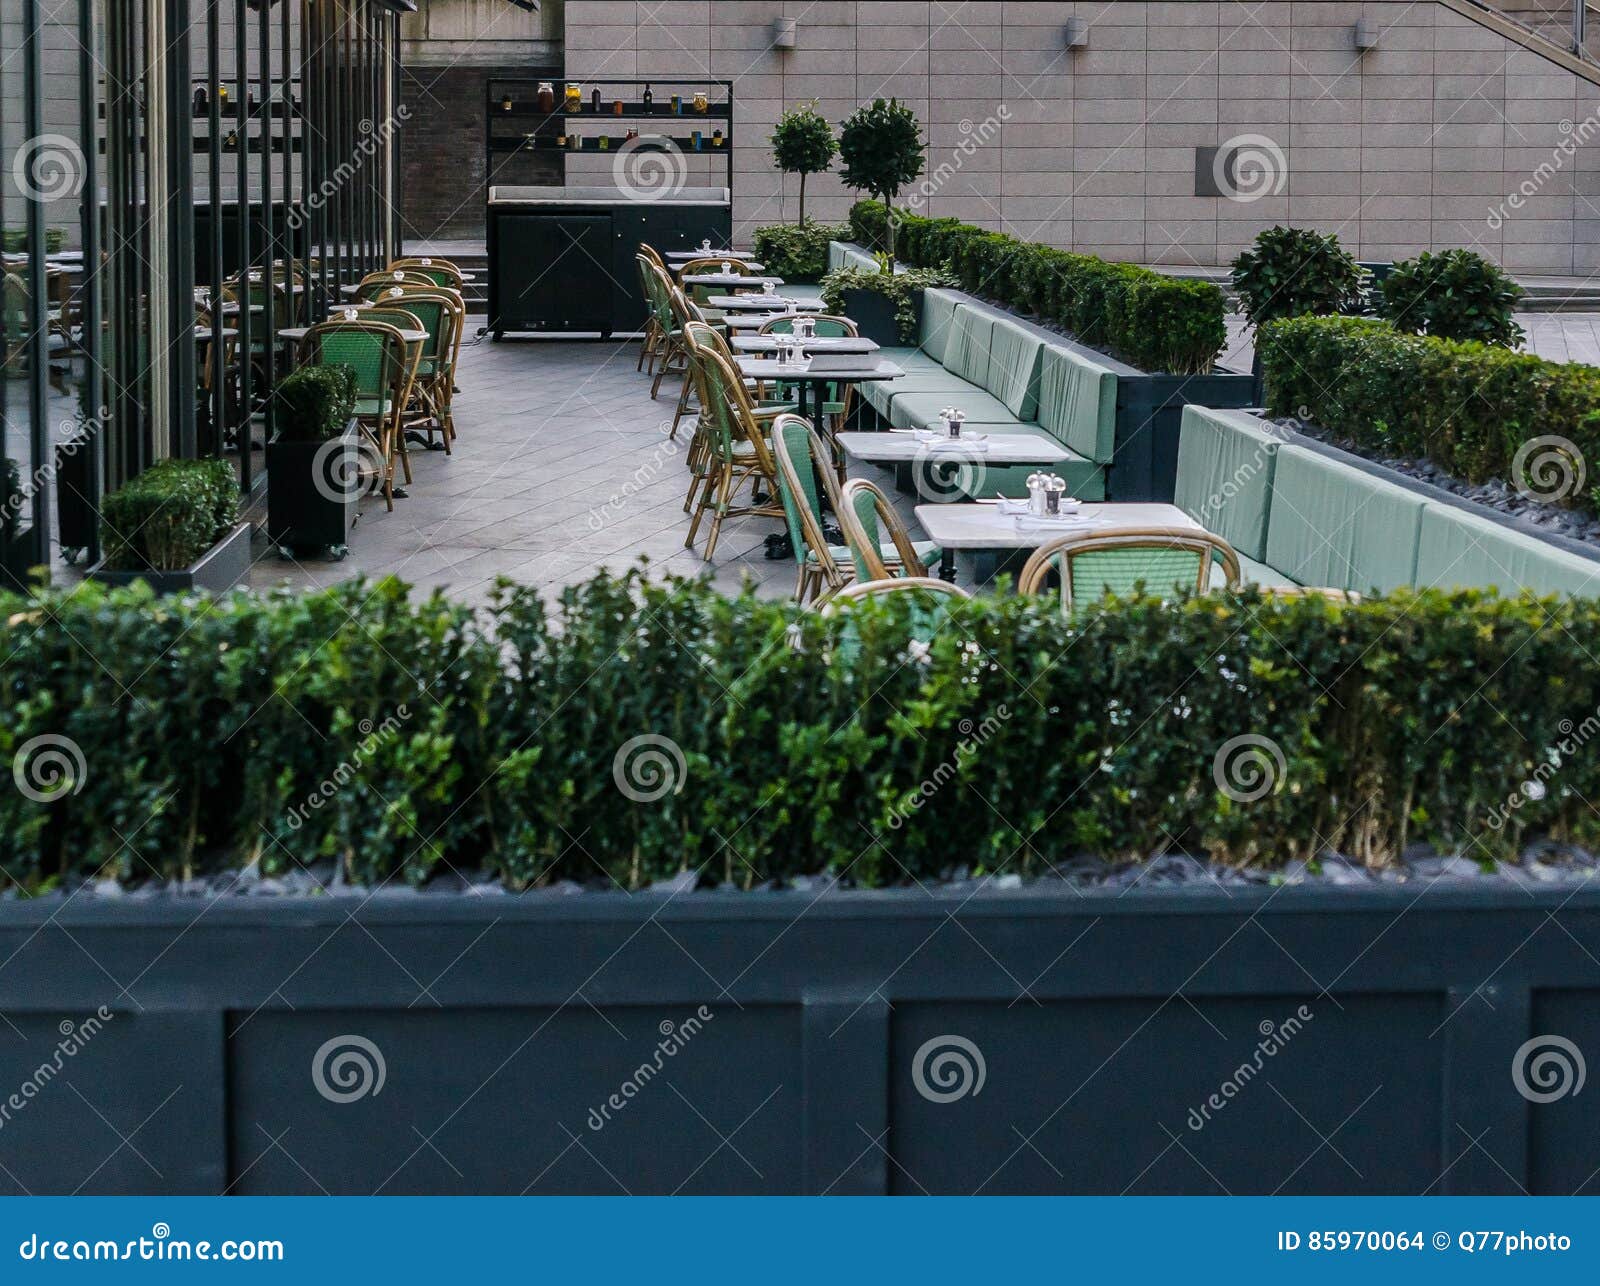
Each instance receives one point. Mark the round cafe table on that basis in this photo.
(850, 368)
(761, 303)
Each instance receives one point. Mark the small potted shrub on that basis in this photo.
(1454, 294)
(797, 254)
(1296, 272)
(803, 144)
(886, 306)
(176, 527)
(881, 147)
(314, 461)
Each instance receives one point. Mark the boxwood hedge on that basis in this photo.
(1151, 321)
(1467, 406)
(636, 729)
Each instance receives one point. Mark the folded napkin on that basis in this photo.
(977, 441)
(1019, 508)
(1065, 523)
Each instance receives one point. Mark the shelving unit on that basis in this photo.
(515, 123)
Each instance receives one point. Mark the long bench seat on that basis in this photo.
(1298, 516)
(1008, 378)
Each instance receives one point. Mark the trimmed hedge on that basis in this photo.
(1464, 405)
(786, 742)
(314, 403)
(168, 516)
(797, 253)
(1151, 321)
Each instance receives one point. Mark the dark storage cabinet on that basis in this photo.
(561, 260)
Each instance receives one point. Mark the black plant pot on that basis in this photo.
(220, 568)
(75, 514)
(312, 491)
(873, 314)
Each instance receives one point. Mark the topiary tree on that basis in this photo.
(803, 144)
(882, 148)
(1292, 272)
(1455, 294)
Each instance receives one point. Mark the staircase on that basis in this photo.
(471, 257)
(1552, 21)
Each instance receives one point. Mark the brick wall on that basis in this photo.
(1417, 143)
(443, 172)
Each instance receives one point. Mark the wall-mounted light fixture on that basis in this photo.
(783, 33)
(1365, 34)
(1075, 35)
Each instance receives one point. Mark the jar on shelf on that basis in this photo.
(574, 98)
(616, 107)
(677, 104)
(702, 104)
(716, 138)
(505, 102)
(546, 97)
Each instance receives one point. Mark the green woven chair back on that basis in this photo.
(434, 317)
(827, 327)
(797, 480)
(1123, 571)
(864, 505)
(368, 353)
(438, 276)
(721, 402)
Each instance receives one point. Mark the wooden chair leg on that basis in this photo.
(724, 497)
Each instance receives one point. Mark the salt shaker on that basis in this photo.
(1037, 483)
(954, 419)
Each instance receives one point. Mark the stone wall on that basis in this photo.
(1447, 133)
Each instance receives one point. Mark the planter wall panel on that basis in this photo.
(1102, 1019)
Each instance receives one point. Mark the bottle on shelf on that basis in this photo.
(677, 104)
(605, 142)
(616, 107)
(649, 99)
(222, 95)
(594, 100)
(201, 101)
(546, 97)
(505, 102)
(716, 138)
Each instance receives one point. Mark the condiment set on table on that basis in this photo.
(1047, 496)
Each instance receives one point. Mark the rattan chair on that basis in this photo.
(899, 585)
(1159, 559)
(379, 356)
(441, 272)
(442, 315)
(805, 479)
(736, 451)
(865, 516)
(836, 406)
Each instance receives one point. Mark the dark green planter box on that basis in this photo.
(225, 565)
(873, 315)
(307, 508)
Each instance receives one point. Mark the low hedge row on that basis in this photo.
(168, 516)
(1151, 321)
(797, 252)
(636, 730)
(1467, 406)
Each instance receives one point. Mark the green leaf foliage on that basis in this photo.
(1455, 294)
(1466, 406)
(168, 516)
(803, 144)
(314, 403)
(1292, 272)
(797, 253)
(1157, 323)
(406, 737)
(904, 289)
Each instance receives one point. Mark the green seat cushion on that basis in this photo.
(1078, 402)
(1335, 526)
(841, 255)
(1226, 462)
(910, 360)
(1085, 479)
(1459, 549)
(967, 354)
(1252, 572)
(370, 406)
(1014, 368)
(927, 551)
(938, 316)
(917, 410)
(880, 393)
